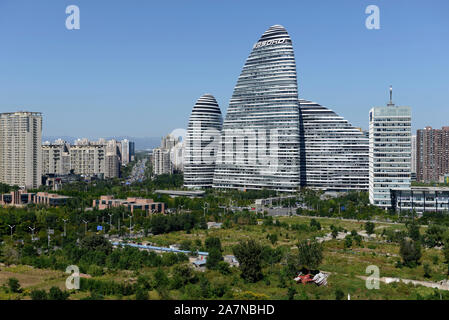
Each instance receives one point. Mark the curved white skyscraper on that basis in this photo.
(336, 153)
(260, 138)
(201, 143)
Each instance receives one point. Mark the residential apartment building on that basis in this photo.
(101, 158)
(389, 151)
(161, 161)
(432, 148)
(20, 148)
(55, 158)
(127, 151)
(167, 158)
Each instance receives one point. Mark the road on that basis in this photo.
(137, 172)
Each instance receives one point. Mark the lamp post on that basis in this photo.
(130, 221)
(32, 232)
(65, 231)
(11, 227)
(110, 220)
(85, 226)
(205, 206)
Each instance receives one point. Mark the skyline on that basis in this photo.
(138, 89)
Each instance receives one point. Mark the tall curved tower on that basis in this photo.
(259, 145)
(201, 143)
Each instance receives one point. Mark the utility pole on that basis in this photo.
(11, 227)
(130, 226)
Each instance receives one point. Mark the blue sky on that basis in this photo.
(136, 67)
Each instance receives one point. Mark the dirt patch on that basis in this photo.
(30, 277)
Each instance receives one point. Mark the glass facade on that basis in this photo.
(390, 147)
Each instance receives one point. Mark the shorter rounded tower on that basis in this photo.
(201, 143)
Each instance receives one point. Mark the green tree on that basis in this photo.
(141, 294)
(273, 238)
(410, 252)
(214, 258)
(38, 295)
(348, 241)
(291, 293)
(249, 255)
(369, 227)
(339, 294)
(160, 279)
(314, 224)
(96, 243)
(427, 270)
(223, 268)
(413, 230)
(446, 254)
(57, 294)
(14, 285)
(310, 254)
(212, 242)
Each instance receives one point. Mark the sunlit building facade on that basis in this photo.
(390, 147)
(336, 153)
(259, 145)
(201, 143)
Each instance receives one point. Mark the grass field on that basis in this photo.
(346, 266)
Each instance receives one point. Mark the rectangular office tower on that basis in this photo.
(389, 152)
(20, 148)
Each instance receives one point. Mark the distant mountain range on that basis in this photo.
(141, 143)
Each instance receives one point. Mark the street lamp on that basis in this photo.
(205, 205)
(85, 226)
(32, 233)
(65, 231)
(130, 226)
(110, 220)
(11, 227)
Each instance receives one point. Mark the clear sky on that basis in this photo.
(137, 67)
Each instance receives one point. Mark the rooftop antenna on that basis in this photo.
(391, 97)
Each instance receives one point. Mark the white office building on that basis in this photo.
(390, 147)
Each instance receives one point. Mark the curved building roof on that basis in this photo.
(201, 142)
(260, 138)
(336, 153)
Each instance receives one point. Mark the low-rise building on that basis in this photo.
(22, 197)
(131, 203)
(420, 199)
(232, 260)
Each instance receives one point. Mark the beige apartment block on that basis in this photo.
(20, 149)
